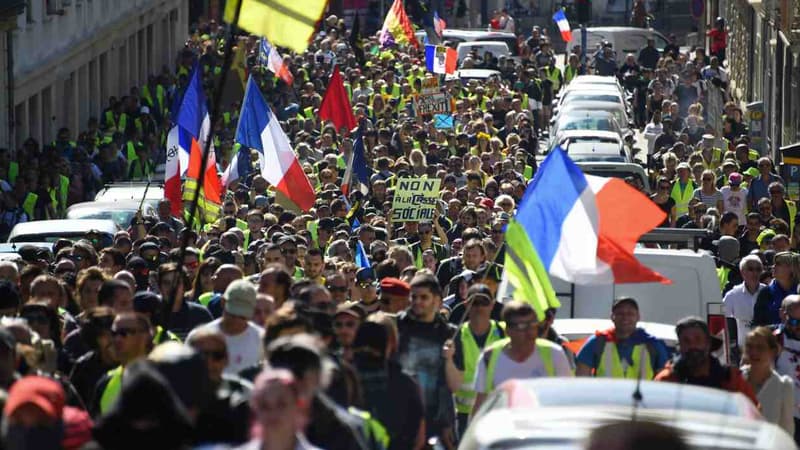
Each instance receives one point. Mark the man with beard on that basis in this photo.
(696, 365)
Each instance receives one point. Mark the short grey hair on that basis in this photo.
(750, 259)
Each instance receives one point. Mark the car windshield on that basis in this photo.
(598, 97)
(596, 123)
(581, 150)
(617, 112)
(104, 240)
(121, 217)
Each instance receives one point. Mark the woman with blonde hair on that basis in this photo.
(775, 392)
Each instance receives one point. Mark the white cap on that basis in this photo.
(144, 110)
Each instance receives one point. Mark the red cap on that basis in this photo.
(487, 203)
(395, 286)
(43, 392)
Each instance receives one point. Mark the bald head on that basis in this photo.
(225, 275)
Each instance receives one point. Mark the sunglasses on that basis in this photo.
(522, 326)
(124, 332)
(337, 288)
(344, 324)
(367, 284)
(216, 355)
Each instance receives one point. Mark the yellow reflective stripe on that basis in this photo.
(465, 396)
(610, 359)
(111, 392)
(682, 197)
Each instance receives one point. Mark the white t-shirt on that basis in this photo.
(788, 364)
(738, 303)
(244, 350)
(735, 201)
(532, 367)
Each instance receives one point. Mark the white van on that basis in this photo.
(496, 48)
(694, 286)
(623, 40)
(457, 36)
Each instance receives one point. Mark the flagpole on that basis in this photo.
(214, 118)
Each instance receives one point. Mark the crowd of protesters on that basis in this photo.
(265, 333)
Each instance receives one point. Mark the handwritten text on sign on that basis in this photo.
(415, 199)
(432, 104)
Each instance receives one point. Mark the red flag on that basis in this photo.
(336, 106)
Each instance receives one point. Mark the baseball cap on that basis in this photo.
(753, 172)
(351, 309)
(260, 201)
(240, 299)
(363, 274)
(683, 165)
(708, 137)
(624, 300)
(477, 291)
(41, 392)
(735, 178)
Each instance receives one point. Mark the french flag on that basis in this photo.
(238, 168)
(584, 228)
(193, 118)
(357, 174)
(269, 56)
(260, 130)
(563, 25)
(439, 25)
(440, 59)
(179, 144)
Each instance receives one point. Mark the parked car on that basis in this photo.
(101, 231)
(587, 145)
(457, 36)
(132, 191)
(496, 48)
(530, 426)
(121, 212)
(620, 113)
(474, 74)
(616, 170)
(592, 120)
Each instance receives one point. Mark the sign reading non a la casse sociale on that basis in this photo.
(415, 199)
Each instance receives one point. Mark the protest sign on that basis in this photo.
(415, 199)
(432, 104)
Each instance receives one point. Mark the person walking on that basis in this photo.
(521, 355)
(624, 351)
(775, 392)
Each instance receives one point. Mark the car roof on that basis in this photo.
(13, 247)
(599, 79)
(477, 73)
(131, 191)
(62, 226)
(591, 86)
(105, 204)
(591, 104)
(568, 428)
(482, 44)
(475, 33)
(663, 331)
(571, 134)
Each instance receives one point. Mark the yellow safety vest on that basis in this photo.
(158, 104)
(111, 392)
(163, 335)
(716, 159)
(569, 73)
(554, 75)
(682, 197)
(29, 204)
(723, 273)
(792, 207)
(543, 347)
(113, 124)
(63, 190)
(612, 366)
(13, 172)
(374, 430)
(465, 396)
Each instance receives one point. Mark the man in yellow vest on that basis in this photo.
(133, 337)
(682, 189)
(462, 353)
(782, 207)
(521, 355)
(624, 351)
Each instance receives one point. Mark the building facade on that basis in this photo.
(63, 59)
(764, 64)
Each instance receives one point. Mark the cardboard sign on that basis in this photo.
(430, 85)
(432, 104)
(415, 199)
